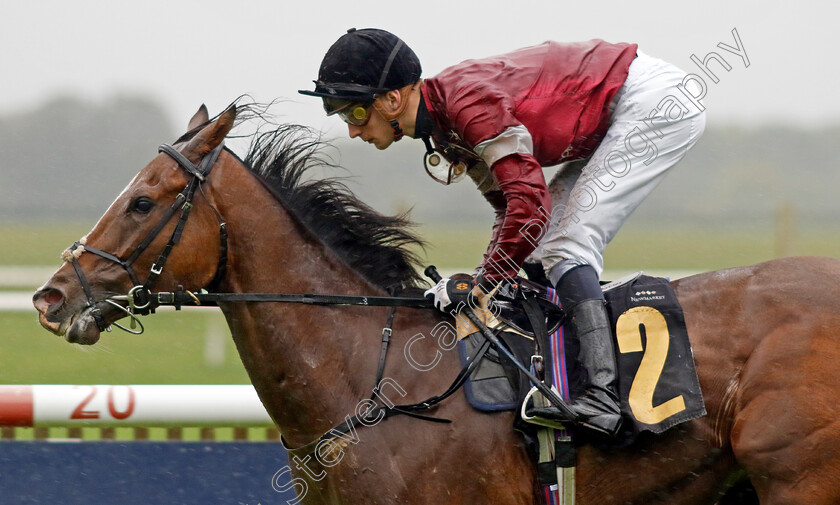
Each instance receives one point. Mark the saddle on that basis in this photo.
(523, 316)
(522, 305)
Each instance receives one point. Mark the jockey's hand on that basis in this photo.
(448, 293)
(503, 288)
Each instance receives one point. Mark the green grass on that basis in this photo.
(454, 247)
(172, 351)
(38, 244)
(688, 250)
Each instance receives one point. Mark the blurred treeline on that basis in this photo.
(66, 160)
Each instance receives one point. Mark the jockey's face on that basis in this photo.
(376, 131)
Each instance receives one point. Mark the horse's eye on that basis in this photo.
(142, 205)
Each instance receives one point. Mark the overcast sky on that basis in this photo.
(185, 53)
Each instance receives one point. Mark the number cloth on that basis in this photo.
(658, 384)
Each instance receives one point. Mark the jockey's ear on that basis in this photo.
(199, 118)
(389, 104)
(210, 136)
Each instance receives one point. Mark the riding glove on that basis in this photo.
(449, 293)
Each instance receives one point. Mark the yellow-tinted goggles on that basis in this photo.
(354, 113)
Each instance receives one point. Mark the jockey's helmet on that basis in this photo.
(360, 65)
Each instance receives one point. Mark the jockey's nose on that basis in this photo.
(354, 130)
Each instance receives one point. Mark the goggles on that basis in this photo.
(354, 113)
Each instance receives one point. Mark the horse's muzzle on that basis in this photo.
(76, 326)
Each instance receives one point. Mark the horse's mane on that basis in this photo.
(377, 246)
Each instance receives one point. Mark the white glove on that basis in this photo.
(449, 293)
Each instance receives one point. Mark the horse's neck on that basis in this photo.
(297, 356)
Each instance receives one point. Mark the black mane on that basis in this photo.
(376, 246)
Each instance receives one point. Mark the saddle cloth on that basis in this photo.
(658, 384)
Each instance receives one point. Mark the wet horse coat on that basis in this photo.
(765, 342)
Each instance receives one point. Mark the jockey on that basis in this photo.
(610, 115)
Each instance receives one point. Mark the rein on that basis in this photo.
(184, 298)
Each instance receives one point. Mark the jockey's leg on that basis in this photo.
(598, 408)
(651, 128)
(559, 188)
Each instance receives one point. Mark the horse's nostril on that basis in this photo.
(52, 297)
(47, 298)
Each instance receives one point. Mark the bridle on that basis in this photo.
(140, 298)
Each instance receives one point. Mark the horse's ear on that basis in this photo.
(199, 118)
(211, 135)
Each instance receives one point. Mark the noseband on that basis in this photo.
(139, 298)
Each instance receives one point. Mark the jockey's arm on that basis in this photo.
(496, 198)
(526, 202)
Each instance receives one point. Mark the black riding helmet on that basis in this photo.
(361, 64)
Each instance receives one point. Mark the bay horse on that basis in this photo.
(766, 341)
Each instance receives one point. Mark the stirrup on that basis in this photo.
(539, 400)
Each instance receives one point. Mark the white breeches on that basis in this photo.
(652, 126)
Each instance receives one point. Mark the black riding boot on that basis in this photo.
(598, 408)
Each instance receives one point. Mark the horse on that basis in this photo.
(765, 341)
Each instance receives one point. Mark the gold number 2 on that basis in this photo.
(628, 334)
